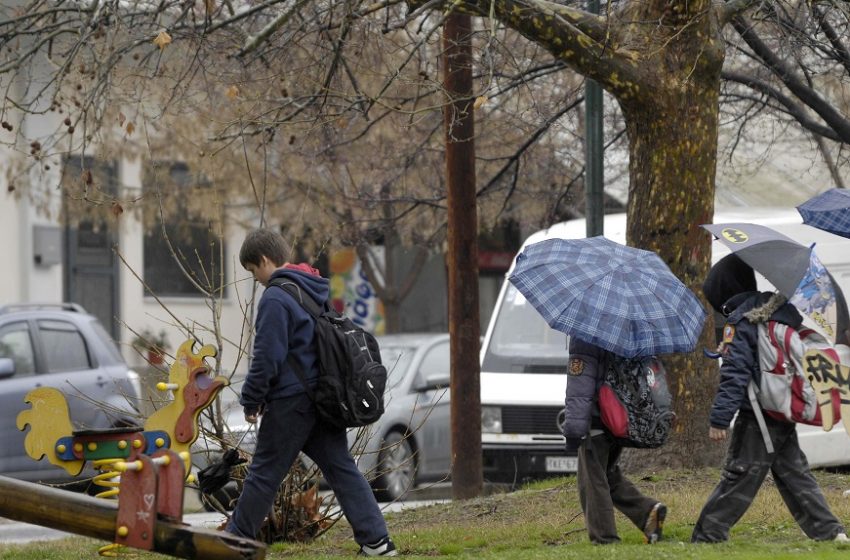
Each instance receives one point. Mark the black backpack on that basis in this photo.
(635, 403)
(349, 392)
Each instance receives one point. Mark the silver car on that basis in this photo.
(59, 346)
(411, 442)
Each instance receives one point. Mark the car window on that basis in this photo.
(435, 361)
(64, 346)
(396, 359)
(108, 343)
(16, 343)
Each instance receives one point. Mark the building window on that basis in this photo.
(184, 254)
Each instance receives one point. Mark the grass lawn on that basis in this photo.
(544, 521)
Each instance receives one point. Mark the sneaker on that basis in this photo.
(383, 547)
(841, 537)
(655, 523)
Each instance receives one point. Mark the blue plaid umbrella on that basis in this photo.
(619, 298)
(829, 211)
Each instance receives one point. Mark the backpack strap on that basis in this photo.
(311, 307)
(751, 391)
(308, 303)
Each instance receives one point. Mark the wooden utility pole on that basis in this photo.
(96, 518)
(464, 327)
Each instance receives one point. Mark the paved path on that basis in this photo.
(12, 532)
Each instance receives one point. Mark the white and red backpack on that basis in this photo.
(785, 391)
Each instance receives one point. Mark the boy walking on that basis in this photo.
(272, 390)
(601, 484)
(730, 288)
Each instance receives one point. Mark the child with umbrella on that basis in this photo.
(615, 302)
(730, 288)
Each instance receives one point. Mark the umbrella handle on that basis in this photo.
(711, 354)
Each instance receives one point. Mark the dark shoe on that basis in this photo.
(655, 523)
(383, 547)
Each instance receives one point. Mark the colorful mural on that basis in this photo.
(352, 293)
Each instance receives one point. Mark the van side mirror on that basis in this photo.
(7, 367)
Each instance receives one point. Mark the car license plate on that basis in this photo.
(561, 464)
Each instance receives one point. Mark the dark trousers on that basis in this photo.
(747, 464)
(289, 425)
(602, 487)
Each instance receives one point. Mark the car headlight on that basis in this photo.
(491, 419)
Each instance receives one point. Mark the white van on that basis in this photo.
(523, 360)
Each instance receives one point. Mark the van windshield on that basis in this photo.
(522, 342)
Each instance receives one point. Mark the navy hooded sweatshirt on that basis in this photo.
(283, 327)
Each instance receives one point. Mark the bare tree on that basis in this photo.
(791, 60)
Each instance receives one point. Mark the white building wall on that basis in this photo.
(26, 281)
(10, 249)
(177, 314)
(44, 282)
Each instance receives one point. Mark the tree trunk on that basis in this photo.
(673, 157)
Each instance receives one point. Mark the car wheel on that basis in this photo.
(396, 467)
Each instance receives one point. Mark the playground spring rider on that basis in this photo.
(143, 468)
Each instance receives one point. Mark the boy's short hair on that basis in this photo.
(261, 243)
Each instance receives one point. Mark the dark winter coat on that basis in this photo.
(739, 349)
(283, 327)
(586, 371)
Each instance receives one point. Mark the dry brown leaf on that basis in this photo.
(162, 40)
(479, 101)
(117, 209)
(131, 128)
(232, 92)
(121, 118)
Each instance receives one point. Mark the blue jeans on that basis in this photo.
(289, 425)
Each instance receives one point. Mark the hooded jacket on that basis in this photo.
(283, 328)
(739, 349)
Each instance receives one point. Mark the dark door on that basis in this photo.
(91, 266)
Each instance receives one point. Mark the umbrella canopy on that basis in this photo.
(777, 257)
(619, 298)
(829, 211)
(791, 267)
